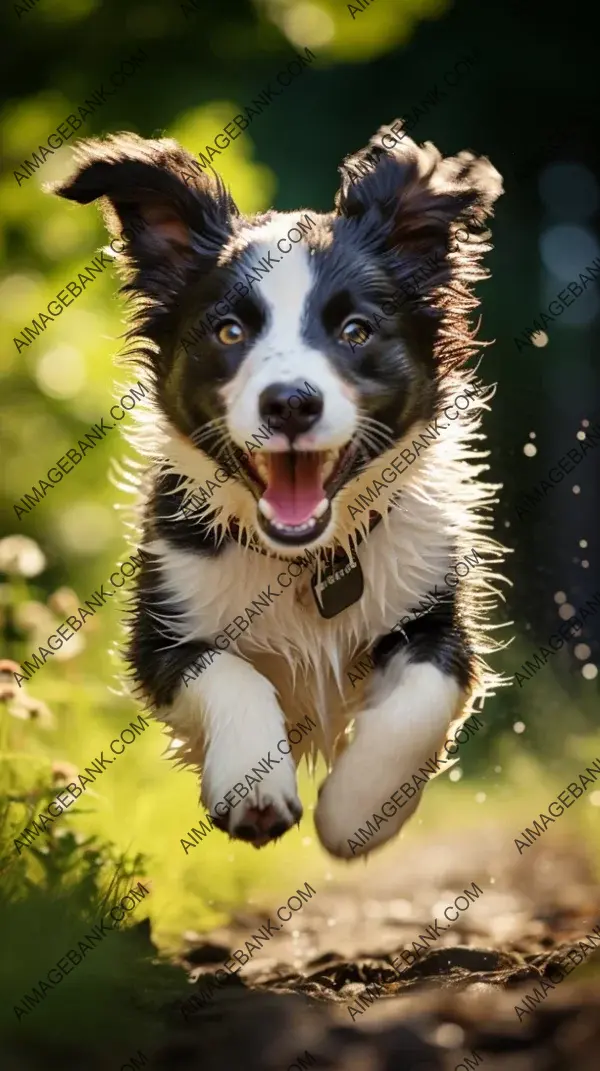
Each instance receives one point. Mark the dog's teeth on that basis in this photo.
(266, 509)
(307, 526)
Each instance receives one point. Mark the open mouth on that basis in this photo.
(296, 489)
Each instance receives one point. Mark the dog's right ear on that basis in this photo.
(155, 193)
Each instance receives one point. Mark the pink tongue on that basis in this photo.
(294, 487)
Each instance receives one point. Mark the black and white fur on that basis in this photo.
(192, 246)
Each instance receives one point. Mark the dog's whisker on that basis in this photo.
(217, 422)
(373, 447)
(213, 426)
(377, 430)
(366, 419)
(371, 437)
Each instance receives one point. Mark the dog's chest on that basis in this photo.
(265, 608)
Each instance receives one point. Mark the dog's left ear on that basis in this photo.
(157, 195)
(415, 198)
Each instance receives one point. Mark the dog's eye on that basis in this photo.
(230, 332)
(356, 331)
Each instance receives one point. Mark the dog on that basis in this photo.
(233, 319)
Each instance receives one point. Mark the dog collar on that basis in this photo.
(337, 582)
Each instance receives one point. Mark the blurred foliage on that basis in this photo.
(202, 70)
(50, 898)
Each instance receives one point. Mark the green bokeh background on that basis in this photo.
(202, 70)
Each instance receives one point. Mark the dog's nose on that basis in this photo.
(288, 409)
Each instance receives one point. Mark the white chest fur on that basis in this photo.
(402, 559)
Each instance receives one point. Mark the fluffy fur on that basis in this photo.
(190, 246)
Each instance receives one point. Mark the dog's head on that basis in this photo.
(310, 343)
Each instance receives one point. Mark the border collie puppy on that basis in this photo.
(311, 484)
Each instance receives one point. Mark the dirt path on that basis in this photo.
(452, 998)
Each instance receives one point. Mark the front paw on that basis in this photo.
(354, 813)
(257, 813)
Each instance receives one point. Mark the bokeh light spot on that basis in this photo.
(540, 339)
(566, 611)
(582, 651)
(60, 372)
(307, 24)
(87, 528)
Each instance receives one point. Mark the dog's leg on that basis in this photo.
(228, 719)
(413, 698)
(242, 724)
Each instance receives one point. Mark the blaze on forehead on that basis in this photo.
(329, 260)
(273, 226)
(277, 272)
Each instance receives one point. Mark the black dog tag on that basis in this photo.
(339, 586)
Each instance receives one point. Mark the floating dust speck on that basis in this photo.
(480, 797)
(585, 423)
(497, 769)
(583, 543)
(595, 799)
(566, 611)
(576, 489)
(532, 434)
(519, 727)
(539, 339)
(530, 450)
(302, 948)
(306, 842)
(582, 651)
(449, 1036)
(560, 597)
(455, 775)
(589, 671)
(585, 564)
(581, 435)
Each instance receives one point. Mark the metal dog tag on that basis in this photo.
(341, 585)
